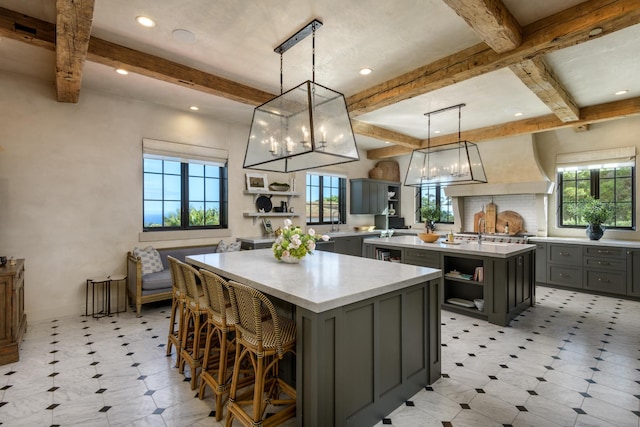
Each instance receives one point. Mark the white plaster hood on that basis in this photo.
(511, 166)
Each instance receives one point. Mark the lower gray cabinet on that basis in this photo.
(633, 272)
(349, 245)
(541, 262)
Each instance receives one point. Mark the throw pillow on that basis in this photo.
(150, 259)
(231, 247)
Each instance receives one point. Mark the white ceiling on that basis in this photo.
(235, 39)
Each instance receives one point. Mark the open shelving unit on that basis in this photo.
(258, 193)
(460, 287)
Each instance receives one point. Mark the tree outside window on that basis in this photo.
(179, 195)
(613, 185)
(325, 199)
(432, 204)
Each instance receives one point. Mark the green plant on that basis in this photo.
(591, 211)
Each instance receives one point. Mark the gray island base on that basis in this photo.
(368, 333)
(501, 275)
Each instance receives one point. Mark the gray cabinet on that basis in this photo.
(371, 196)
(605, 269)
(633, 272)
(348, 245)
(541, 262)
(564, 265)
(422, 258)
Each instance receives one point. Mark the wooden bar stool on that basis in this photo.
(262, 342)
(177, 308)
(192, 350)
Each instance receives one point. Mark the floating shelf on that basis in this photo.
(256, 215)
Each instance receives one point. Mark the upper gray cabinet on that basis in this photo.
(371, 196)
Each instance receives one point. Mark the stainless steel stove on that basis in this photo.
(497, 237)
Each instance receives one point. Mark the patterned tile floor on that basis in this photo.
(573, 360)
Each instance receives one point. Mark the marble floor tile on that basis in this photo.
(572, 360)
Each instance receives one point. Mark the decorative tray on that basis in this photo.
(461, 302)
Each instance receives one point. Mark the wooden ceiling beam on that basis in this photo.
(567, 28)
(536, 74)
(589, 115)
(43, 34)
(73, 30)
(366, 129)
(492, 22)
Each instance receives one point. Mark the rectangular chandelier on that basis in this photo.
(304, 128)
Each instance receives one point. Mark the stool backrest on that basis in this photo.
(247, 303)
(215, 288)
(191, 278)
(177, 277)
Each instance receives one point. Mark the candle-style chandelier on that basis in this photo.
(304, 128)
(454, 163)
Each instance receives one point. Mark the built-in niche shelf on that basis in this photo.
(258, 193)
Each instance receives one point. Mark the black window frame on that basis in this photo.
(439, 190)
(342, 200)
(184, 197)
(594, 189)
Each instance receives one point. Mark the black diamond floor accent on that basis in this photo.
(585, 394)
(595, 369)
(532, 392)
(53, 406)
(212, 414)
(135, 365)
(549, 367)
(579, 411)
(589, 380)
(92, 352)
(104, 409)
(513, 356)
(428, 388)
(53, 374)
(158, 411)
(479, 391)
(465, 406)
(555, 357)
(493, 377)
(637, 413)
(141, 377)
(2, 404)
(6, 387)
(149, 392)
(409, 403)
(131, 353)
(445, 376)
(386, 421)
(96, 376)
(52, 389)
(542, 380)
(93, 364)
(521, 408)
(53, 351)
(504, 366)
(101, 390)
(459, 364)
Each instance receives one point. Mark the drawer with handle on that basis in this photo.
(565, 276)
(564, 254)
(612, 282)
(606, 263)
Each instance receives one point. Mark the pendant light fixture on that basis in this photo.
(455, 163)
(304, 128)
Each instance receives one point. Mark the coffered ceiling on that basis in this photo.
(558, 62)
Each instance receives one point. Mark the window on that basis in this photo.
(432, 199)
(326, 199)
(181, 195)
(613, 185)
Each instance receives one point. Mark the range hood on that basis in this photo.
(512, 167)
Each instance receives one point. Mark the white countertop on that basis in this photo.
(320, 282)
(346, 233)
(587, 241)
(491, 249)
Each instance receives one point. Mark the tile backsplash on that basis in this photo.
(524, 204)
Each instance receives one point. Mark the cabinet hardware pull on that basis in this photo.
(600, 279)
(564, 253)
(602, 252)
(603, 263)
(564, 275)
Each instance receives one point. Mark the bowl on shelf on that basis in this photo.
(390, 194)
(428, 237)
(479, 303)
(279, 187)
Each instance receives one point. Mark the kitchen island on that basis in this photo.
(368, 333)
(501, 275)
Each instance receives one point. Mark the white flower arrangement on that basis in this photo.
(293, 243)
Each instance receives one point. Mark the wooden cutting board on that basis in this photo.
(490, 217)
(476, 219)
(514, 219)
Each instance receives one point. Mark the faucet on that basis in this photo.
(334, 226)
(482, 229)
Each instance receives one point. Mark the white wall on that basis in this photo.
(615, 133)
(71, 186)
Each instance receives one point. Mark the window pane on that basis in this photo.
(196, 214)
(325, 199)
(152, 186)
(171, 167)
(196, 189)
(152, 165)
(172, 214)
(212, 189)
(212, 213)
(196, 170)
(172, 187)
(152, 214)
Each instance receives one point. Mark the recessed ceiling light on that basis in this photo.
(622, 92)
(183, 36)
(366, 71)
(387, 142)
(518, 114)
(122, 71)
(595, 31)
(194, 108)
(146, 21)
(436, 131)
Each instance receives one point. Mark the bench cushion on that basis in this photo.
(157, 280)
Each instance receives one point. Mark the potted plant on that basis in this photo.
(595, 213)
(430, 214)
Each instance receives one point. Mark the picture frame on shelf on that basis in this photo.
(257, 181)
(266, 223)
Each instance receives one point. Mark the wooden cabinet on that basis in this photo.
(13, 320)
(633, 272)
(371, 196)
